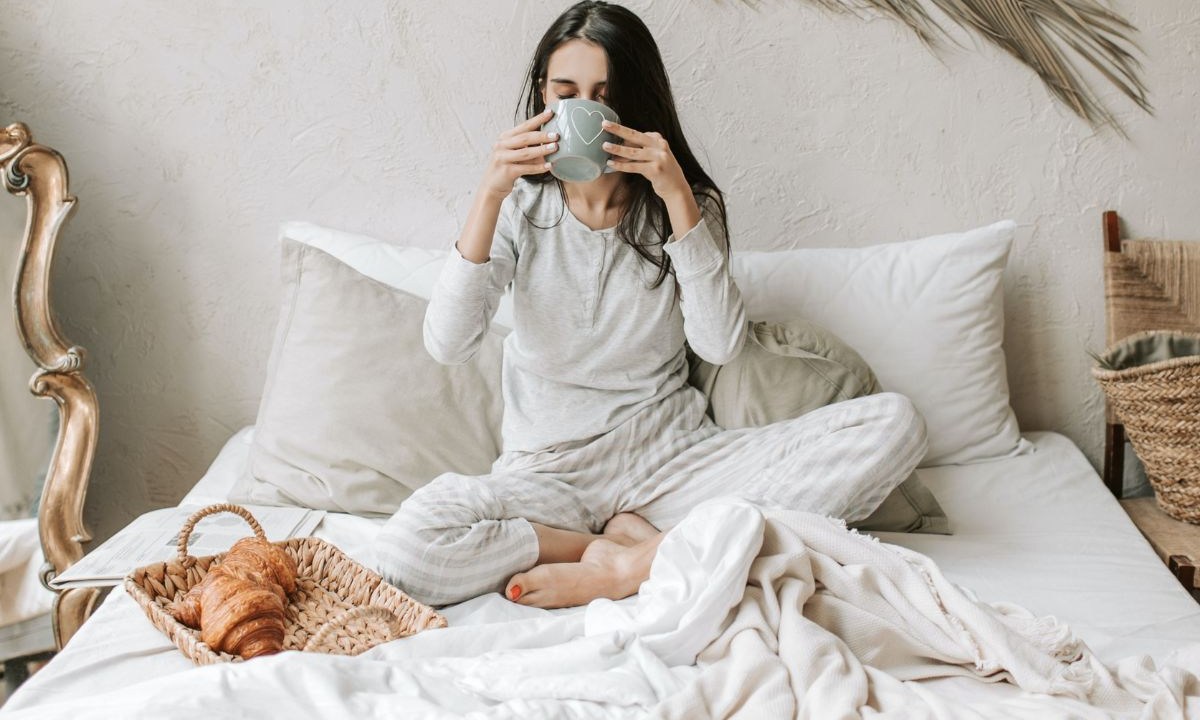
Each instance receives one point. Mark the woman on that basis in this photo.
(605, 445)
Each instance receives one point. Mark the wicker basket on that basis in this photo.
(339, 606)
(1152, 380)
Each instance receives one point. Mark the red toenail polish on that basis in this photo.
(516, 592)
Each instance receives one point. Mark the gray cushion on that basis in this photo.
(355, 414)
(790, 368)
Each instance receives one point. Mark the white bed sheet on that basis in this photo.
(1039, 530)
(21, 593)
(1044, 532)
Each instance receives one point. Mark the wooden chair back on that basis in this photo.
(1149, 284)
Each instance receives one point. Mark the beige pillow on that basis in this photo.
(355, 414)
(790, 368)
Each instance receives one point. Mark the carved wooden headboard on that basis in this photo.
(1148, 285)
(40, 175)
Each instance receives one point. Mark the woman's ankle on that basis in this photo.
(557, 545)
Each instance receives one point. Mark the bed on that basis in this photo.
(1044, 600)
(26, 634)
(1077, 557)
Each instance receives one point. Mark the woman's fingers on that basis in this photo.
(520, 150)
(626, 151)
(532, 123)
(621, 131)
(533, 152)
(529, 138)
(532, 168)
(630, 166)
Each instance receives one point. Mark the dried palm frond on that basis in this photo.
(1036, 32)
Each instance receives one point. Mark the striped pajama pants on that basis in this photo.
(462, 536)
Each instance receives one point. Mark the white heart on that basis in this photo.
(575, 112)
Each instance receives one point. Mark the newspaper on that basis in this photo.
(152, 538)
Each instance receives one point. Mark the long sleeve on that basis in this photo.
(714, 318)
(466, 295)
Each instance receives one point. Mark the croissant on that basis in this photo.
(239, 606)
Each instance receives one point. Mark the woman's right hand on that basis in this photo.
(519, 151)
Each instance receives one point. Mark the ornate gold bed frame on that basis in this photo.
(40, 175)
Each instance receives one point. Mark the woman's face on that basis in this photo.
(576, 69)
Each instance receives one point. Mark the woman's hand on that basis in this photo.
(647, 154)
(519, 151)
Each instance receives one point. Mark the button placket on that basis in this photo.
(588, 291)
(598, 278)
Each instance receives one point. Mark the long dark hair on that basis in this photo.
(640, 92)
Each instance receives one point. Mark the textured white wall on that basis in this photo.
(192, 130)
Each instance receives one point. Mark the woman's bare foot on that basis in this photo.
(629, 525)
(606, 570)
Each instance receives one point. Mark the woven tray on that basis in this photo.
(339, 606)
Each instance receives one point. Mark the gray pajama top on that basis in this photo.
(592, 343)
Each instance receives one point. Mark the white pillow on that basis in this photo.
(928, 317)
(411, 269)
(227, 470)
(354, 414)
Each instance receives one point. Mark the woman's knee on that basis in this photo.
(897, 408)
(421, 538)
(416, 564)
(900, 415)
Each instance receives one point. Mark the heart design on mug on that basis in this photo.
(575, 113)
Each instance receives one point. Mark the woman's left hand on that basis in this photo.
(649, 155)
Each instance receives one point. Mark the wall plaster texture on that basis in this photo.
(193, 130)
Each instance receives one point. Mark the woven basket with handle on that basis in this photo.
(339, 606)
(1152, 380)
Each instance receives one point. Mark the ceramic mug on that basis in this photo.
(580, 156)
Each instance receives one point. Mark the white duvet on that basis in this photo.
(746, 614)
